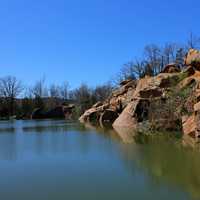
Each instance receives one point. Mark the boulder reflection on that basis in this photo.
(164, 159)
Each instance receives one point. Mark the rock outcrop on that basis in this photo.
(148, 90)
(59, 112)
(166, 101)
(108, 111)
(191, 124)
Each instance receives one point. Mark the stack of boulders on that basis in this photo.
(129, 106)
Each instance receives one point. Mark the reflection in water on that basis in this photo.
(163, 158)
(190, 142)
(166, 161)
(8, 146)
(118, 163)
(126, 134)
(107, 131)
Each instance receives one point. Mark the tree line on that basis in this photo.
(19, 100)
(156, 57)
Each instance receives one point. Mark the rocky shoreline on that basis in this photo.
(169, 101)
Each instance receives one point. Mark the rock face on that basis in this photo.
(107, 112)
(57, 112)
(191, 124)
(166, 101)
(148, 89)
(193, 58)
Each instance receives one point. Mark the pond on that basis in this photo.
(59, 160)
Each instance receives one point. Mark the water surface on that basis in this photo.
(59, 160)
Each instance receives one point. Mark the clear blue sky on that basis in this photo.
(86, 40)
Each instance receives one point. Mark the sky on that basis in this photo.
(86, 41)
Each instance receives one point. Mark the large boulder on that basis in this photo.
(193, 58)
(191, 124)
(148, 89)
(171, 68)
(127, 118)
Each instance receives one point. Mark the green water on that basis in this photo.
(59, 160)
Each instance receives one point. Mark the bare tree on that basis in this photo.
(180, 54)
(193, 42)
(169, 53)
(64, 90)
(54, 91)
(127, 71)
(139, 68)
(39, 89)
(54, 97)
(10, 89)
(83, 97)
(153, 58)
(102, 92)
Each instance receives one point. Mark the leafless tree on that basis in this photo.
(169, 53)
(102, 92)
(193, 42)
(64, 90)
(180, 54)
(83, 97)
(127, 71)
(39, 89)
(54, 91)
(10, 89)
(153, 58)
